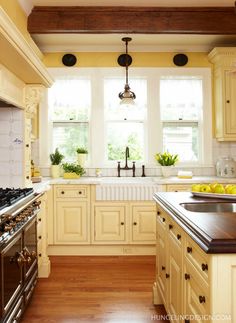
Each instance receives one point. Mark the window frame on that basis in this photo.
(152, 123)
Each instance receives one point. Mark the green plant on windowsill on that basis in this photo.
(81, 150)
(56, 157)
(72, 170)
(166, 159)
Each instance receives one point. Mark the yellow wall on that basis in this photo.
(139, 59)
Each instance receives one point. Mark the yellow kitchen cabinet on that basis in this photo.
(193, 286)
(71, 214)
(143, 223)
(178, 187)
(110, 223)
(27, 153)
(224, 59)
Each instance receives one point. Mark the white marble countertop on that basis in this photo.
(46, 182)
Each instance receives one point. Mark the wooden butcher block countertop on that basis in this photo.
(214, 232)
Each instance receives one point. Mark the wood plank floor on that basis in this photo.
(96, 289)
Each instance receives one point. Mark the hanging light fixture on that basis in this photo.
(127, 96)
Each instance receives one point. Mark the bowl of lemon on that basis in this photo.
(214, 190)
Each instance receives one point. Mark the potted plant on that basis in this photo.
(167, 161)
(72, 170)
(82, 155)
(56, 159)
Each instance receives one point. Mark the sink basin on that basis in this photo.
(209, 207)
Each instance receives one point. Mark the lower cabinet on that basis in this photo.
(192, 285)
(80, 219)
(71, 222)
(110, 223)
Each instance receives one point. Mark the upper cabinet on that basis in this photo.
(224, 60)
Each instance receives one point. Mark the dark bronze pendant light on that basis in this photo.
(127, 96)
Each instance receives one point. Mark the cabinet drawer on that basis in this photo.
(179, 188)
(162, 218)
(198, 258)
(72, 192)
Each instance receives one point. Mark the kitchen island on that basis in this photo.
(196, 258)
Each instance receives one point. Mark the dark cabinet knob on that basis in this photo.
(40, 255)
(80, 192)
(135, 223)
(40, 237)
(163, 267)
(170, 226)
(178, 236)
(204, 267)
(122, 223)
(158, 212)
(163, 219)
(167, 275)
(202, 299)
(62, 192)
(27, 177)
(189, 250)
(186, 276)
(27, 145)
(39, 219)
(228, 101)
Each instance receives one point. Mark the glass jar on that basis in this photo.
(225, 167)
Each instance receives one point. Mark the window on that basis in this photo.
(124, 127)
(172, 112)
(181, 114)
(69, 102)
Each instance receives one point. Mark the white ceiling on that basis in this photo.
(112, 42)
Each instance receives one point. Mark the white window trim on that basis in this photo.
(152, 126)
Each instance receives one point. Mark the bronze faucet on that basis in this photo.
(126, 167)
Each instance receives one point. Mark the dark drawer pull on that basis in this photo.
(204, 267)
(40, 237)
(135, 223)
(80, 192)
(163, 219)
(167, 275)
(39, 219)
(186, 276)
(202, 299)
(122, 223)
(163, 268)
(170, 226)
(40, 255)
(27, 177)
(158, 212)
(189, 250)
(228, 101)
(27, 145)
(62, 192)
(178, 236)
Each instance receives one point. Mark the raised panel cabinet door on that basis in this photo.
(230, 103)
(161, 265)
(144, 224)
(71, 221)
(110, 224)
(175, 280)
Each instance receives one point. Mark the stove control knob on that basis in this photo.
(37, 203)
(7, 228)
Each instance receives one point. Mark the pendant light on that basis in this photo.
(127, 96)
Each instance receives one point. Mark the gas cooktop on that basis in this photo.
(9, 196)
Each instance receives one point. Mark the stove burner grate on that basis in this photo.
(9, 196)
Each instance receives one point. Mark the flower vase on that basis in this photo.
(81, 159)
(166, 171)
(55, 171)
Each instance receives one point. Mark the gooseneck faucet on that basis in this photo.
(126, 167)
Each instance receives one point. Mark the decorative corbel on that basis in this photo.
(33, 96)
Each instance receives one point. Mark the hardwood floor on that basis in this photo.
(96, 289)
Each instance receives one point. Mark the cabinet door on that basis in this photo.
(196, 295)
(71, 222)
(110, 224)
(174, 279)
(27, 153)
(161, 263)
(143, 224)
(230, 103)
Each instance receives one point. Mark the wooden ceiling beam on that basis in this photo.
(140, 20)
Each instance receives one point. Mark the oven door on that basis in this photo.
(11, 272)
(30, 248)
